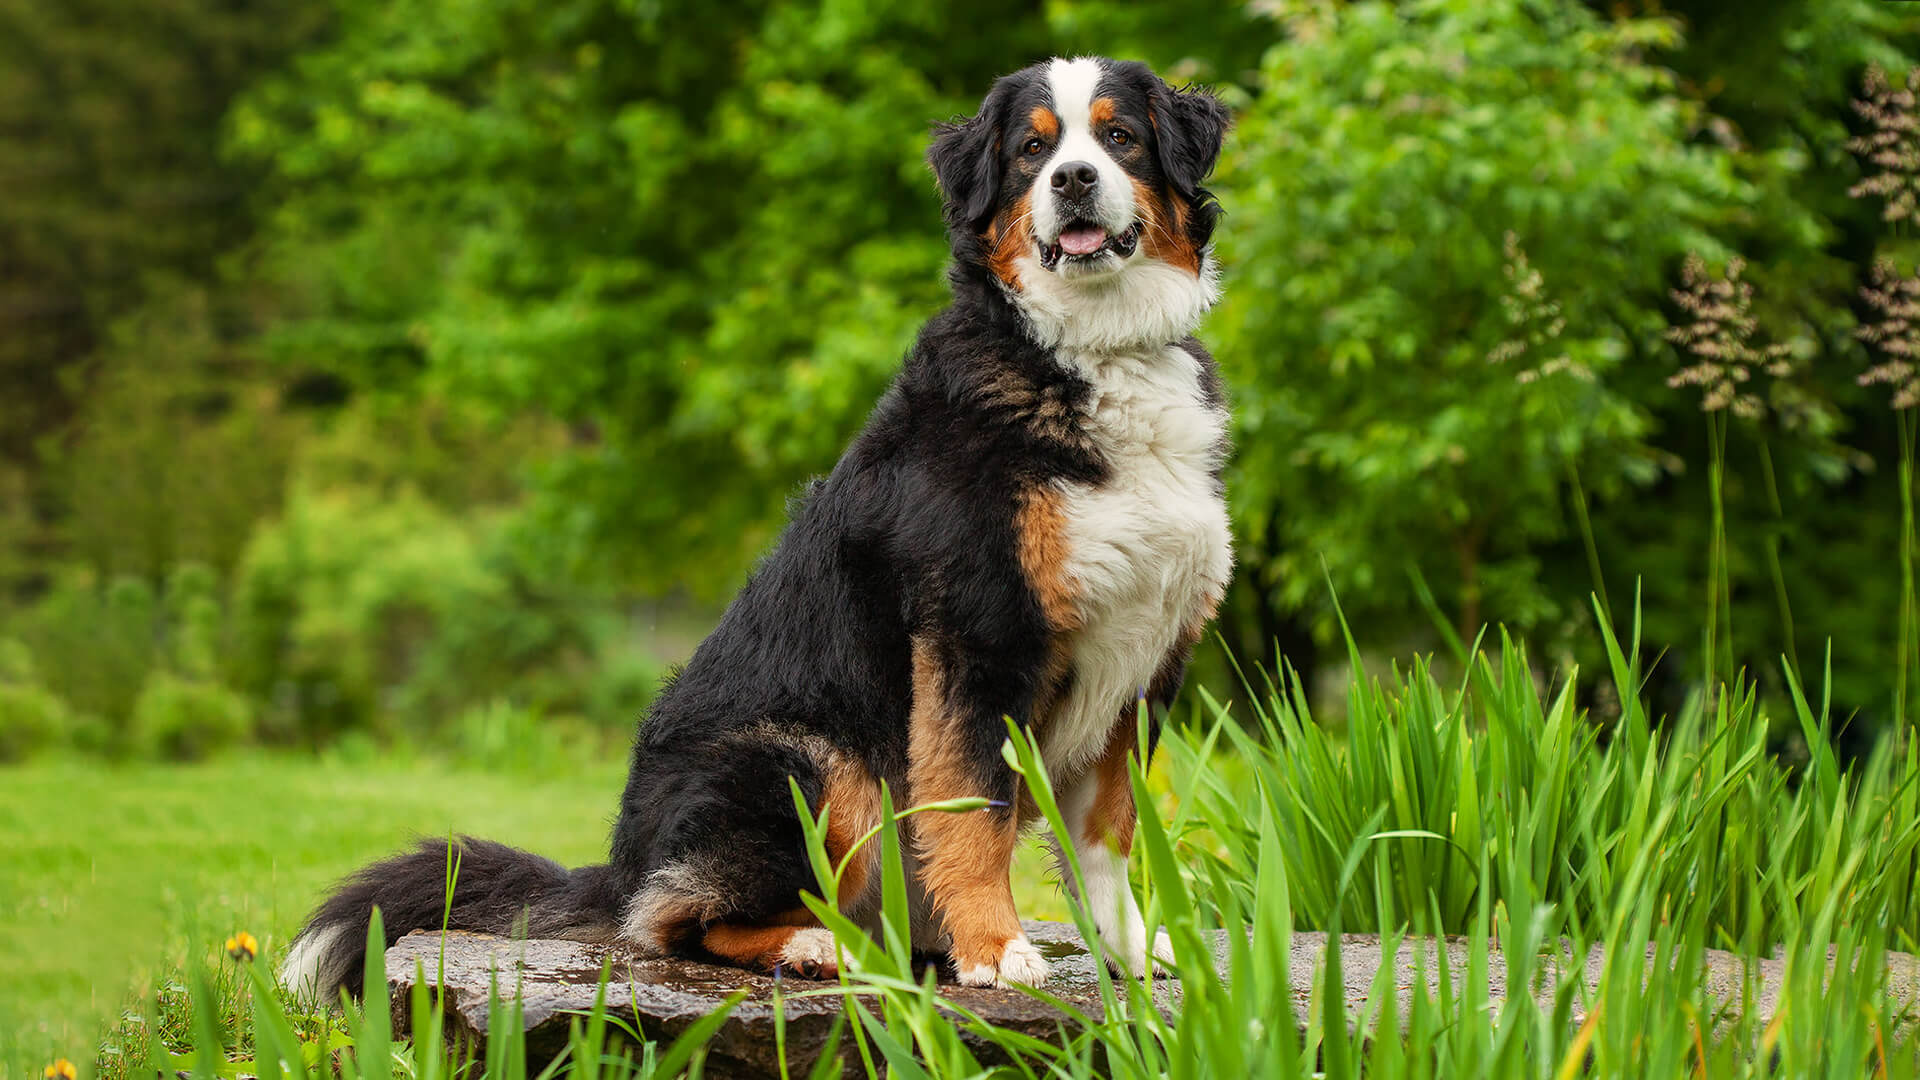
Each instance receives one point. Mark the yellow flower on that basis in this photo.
(242, 946)
(62, 1069)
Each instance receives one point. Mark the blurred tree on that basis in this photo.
(111, 184)
(704, 242)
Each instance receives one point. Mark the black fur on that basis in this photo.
(1190, 126)
(498, 889)
(911, 536)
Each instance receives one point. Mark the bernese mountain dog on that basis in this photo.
(1031, 525)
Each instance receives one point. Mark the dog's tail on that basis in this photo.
(495, 889)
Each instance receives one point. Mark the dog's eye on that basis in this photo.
(1120, 136)
(1034, 146)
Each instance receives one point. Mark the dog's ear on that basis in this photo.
(965, 157)
(1189, 125)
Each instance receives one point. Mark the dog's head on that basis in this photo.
(1077, 175)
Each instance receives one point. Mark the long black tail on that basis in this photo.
(498, 890)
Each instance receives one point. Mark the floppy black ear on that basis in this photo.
(965, 157)
(1190, 125)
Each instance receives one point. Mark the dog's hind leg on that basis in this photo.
(732, 861)
(795, 942)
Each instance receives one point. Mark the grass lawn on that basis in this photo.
(111, 874)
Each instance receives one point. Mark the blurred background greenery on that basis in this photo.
(428, 371)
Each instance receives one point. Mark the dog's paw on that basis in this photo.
(1019, 963)
(1163, 948)
(809, 954)
(1130, 957)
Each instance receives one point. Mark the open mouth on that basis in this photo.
(1083, 241)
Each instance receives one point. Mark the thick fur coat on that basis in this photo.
(1030, 525)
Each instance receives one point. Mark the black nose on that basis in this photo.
(1074, 179)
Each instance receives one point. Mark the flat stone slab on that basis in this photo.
(558, 979)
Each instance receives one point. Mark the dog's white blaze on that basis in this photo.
(308, 971)
(1107, 303)
(1073, 84)
(1148, 549)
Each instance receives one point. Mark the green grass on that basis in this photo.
(111, 872)
(1486, 806)
(112, 876)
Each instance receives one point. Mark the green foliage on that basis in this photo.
(31, 719)
(1373, 177)
(178, 450)
(615, 214)
(93, 644)
(110, 118)
(502, 736)
(349, 599)
(182, 719)
(360, 610)
(1491, 808)
(585, 290)
(31, 716)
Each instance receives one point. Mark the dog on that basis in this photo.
(1032, 525)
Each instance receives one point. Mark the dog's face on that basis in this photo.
(1077, 171)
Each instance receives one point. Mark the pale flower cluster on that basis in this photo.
(1896, 335)
(1717, 337)
(1891, 146)
(1536, 321)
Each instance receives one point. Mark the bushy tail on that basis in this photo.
(497, 890)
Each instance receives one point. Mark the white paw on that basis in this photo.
(1129, 956)
(810, 953)
(1020, 963)
(1163, 948)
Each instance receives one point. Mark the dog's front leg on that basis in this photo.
(1098, 809)
(966, 859)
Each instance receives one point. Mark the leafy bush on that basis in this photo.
(504, 736)
(31, 716)
(347, 603)
(183, 719)
(114, 655)
(1373, 178)
(94, 644)
(358, 609)
(31, 719)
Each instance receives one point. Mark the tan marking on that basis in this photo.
(674, 901)
(1101, 111)
(1045, 123)
(1006, 389)
(1008, 238)
(1165, 234)
(1041, 545)
(965, 859)
(1209, 607)
(1110, 819)
(855, 801)
(756, 945)
(664, 923)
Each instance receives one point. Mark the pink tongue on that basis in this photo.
(1083, 241)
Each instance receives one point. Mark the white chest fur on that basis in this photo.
(1148, 548)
